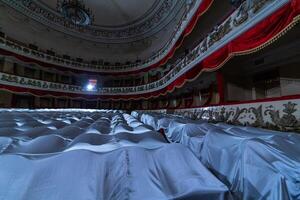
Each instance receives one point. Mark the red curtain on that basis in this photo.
(204, 6)
(256, 37)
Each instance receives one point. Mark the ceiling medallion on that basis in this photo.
(75, 11)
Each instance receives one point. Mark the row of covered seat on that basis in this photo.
(254, 163)
(82, 154)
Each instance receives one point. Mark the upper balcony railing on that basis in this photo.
(89, 67)
(245, 17)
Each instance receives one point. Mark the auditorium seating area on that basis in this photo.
(253, 163)
(149, 100)
(124, 159)
(141, 156)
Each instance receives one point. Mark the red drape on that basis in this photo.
(256, 37)
(204, 6)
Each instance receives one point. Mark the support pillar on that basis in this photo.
(220, 86)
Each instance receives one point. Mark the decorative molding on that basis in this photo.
(45, 15)
(281, 115)
(278, 115)
(22, 82)
(222, 35)
(190, 11)
(289, 81)
(75, 12)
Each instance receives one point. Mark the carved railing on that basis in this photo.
(245, 17)
(86, 66)
(288, 81)
(278, 114)
(18, 81)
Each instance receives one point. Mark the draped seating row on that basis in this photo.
(92, 154)
(253, 163)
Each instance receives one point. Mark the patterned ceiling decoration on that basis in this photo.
(75, 11)
(150, 36)
(231, 38)
(46, 15)
(158, 57)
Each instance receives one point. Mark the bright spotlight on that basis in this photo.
(91, 86)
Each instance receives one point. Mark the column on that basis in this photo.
(220, 86)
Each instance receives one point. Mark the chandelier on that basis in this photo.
(75, 11)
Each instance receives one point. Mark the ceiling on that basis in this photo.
(122, 30)
(116, 13)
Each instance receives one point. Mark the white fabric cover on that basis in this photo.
(254, 163)
(76, 155)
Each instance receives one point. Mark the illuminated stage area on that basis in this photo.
(103, 154)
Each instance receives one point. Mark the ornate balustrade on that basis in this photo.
(190, 12)
(247, 16)
(244, 18)
(275, 113)
(18, 81)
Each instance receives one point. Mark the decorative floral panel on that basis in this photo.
(281, 115)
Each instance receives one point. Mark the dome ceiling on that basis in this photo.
(122, 30)
(116, 13)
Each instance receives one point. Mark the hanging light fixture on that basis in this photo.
(75, 11)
